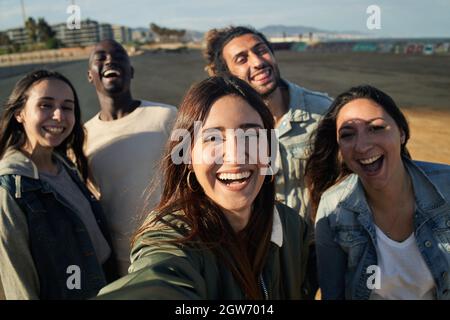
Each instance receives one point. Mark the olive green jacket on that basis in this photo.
(176, 271)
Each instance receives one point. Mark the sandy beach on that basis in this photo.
(430, 134)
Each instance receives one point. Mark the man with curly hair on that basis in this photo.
(246, 53)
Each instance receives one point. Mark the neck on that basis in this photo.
(278, 103)
(238, 219)
(399, 190)
(41, 157)
(116, 107)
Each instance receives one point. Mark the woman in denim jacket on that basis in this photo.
(382, 220)
(53, 243)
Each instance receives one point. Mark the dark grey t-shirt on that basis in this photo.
(67, 189)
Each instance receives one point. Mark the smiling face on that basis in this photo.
(369, 142)
(48, 115)
(248, 57)
(231, 183)
(109, 68)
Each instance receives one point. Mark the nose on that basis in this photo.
(363, 143)
(234, 153)
(109, 59)
(58, 114)
(257, 61)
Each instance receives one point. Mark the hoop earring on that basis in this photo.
(189, 183)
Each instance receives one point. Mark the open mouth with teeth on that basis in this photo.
(262, 76)
(54, 130)
(111, 73)
(229, 179)
(373, 164)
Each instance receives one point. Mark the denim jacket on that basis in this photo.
(306, 108)
(346, 237)
(42, 236)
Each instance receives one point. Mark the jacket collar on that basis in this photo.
(277, 229)
(297, 107)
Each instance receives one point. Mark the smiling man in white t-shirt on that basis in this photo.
(125, 141)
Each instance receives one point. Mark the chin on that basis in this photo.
(114, 90)
(268, 91)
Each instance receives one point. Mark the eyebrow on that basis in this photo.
(51, 98)
(242, 126)
(347, 126)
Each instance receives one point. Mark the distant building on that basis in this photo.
(105, 31)
(87, 35)
(18, 35)
(141, 35)
(121, 34)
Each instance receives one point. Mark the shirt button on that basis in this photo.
(428, 244)
(448, 223)
(349, 238)
(444, 275)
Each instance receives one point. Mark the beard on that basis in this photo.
(266, 94)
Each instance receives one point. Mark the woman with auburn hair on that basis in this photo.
(217, 232)
(382, 219)
(52, 237)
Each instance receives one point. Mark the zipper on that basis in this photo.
(263, 286)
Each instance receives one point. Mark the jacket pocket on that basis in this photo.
(298, 153)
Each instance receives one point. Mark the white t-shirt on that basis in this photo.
(404, 273)
(123, 157)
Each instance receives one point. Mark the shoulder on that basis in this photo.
(316, 102)
(165, 232)
(433, 169)
(340, 191)
(437, 173)
(161, 115)
(293, 224)
(91, 122)
(160, 108)
(335, 200)
(287, 214)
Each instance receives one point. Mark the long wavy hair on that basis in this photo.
(243, 253)
(324, 168)
(12, 133)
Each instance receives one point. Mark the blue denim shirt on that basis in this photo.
(306, 108)
(346, 237)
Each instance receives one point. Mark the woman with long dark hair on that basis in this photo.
(52, 240)
(218, 232)
(382, 219)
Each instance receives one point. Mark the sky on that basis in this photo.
(398, 18)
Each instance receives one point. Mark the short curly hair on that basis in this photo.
(216, 39)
